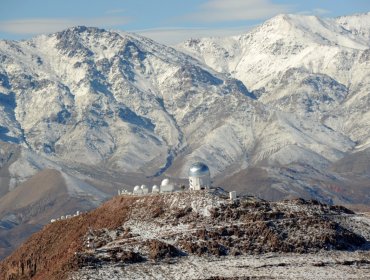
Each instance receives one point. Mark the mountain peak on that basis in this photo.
(358, 25)
(82, 29)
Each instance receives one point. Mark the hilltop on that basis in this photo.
(131, 233)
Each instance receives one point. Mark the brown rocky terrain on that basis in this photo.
(50, 253)
(130, 230)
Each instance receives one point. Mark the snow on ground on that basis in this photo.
(325, 265)
(333, 264)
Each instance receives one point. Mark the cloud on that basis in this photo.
(174, 36)
(237, 10)
(32, 26)
(317, 12)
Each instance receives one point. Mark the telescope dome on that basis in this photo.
(198, 169)
(165, 182)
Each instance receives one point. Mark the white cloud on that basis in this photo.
(317, 12)
(177, 35)
(320, 11)
(48, 25)
(236, 10)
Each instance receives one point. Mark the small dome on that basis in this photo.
(136, 188)
(165, 182)
(144, 187)
(155, 189)
(198, 169)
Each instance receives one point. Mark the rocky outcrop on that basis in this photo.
(161, 250)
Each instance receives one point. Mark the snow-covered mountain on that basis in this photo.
(96, 97)
(282, 110)
(309, 70)
(301, 64)
(90, 98)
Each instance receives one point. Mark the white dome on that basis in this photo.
(165, 182)
(167, 188)
(198, 169)
(144, 187)
(155, 187)
(136, 188)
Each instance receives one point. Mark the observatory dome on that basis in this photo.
(136, 188)
(165, 182)
(167, 186)
(155, 189)
(144, 189)
(198, 169)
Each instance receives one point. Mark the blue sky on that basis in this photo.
(168, 21)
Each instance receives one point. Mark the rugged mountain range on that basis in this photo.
(279, 111)
(311, 74)
(314, 68)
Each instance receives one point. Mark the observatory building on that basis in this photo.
(144, 189)
(167, 186)
(137, 190)
(155, 189)
(199, 176)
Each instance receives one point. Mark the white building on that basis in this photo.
(199, 176)
(144, 189)
(155, 189)
(137, 190)
(232, 195)
(167, 186)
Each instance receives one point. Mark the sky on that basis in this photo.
(167, 21)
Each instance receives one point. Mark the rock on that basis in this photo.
(160, 250)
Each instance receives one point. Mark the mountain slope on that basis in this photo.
(108, 96)
(301, 64)
(28, 207)
(313, 70)
(357, 25)
(293, 41)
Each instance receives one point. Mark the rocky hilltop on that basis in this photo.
(133, 233)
